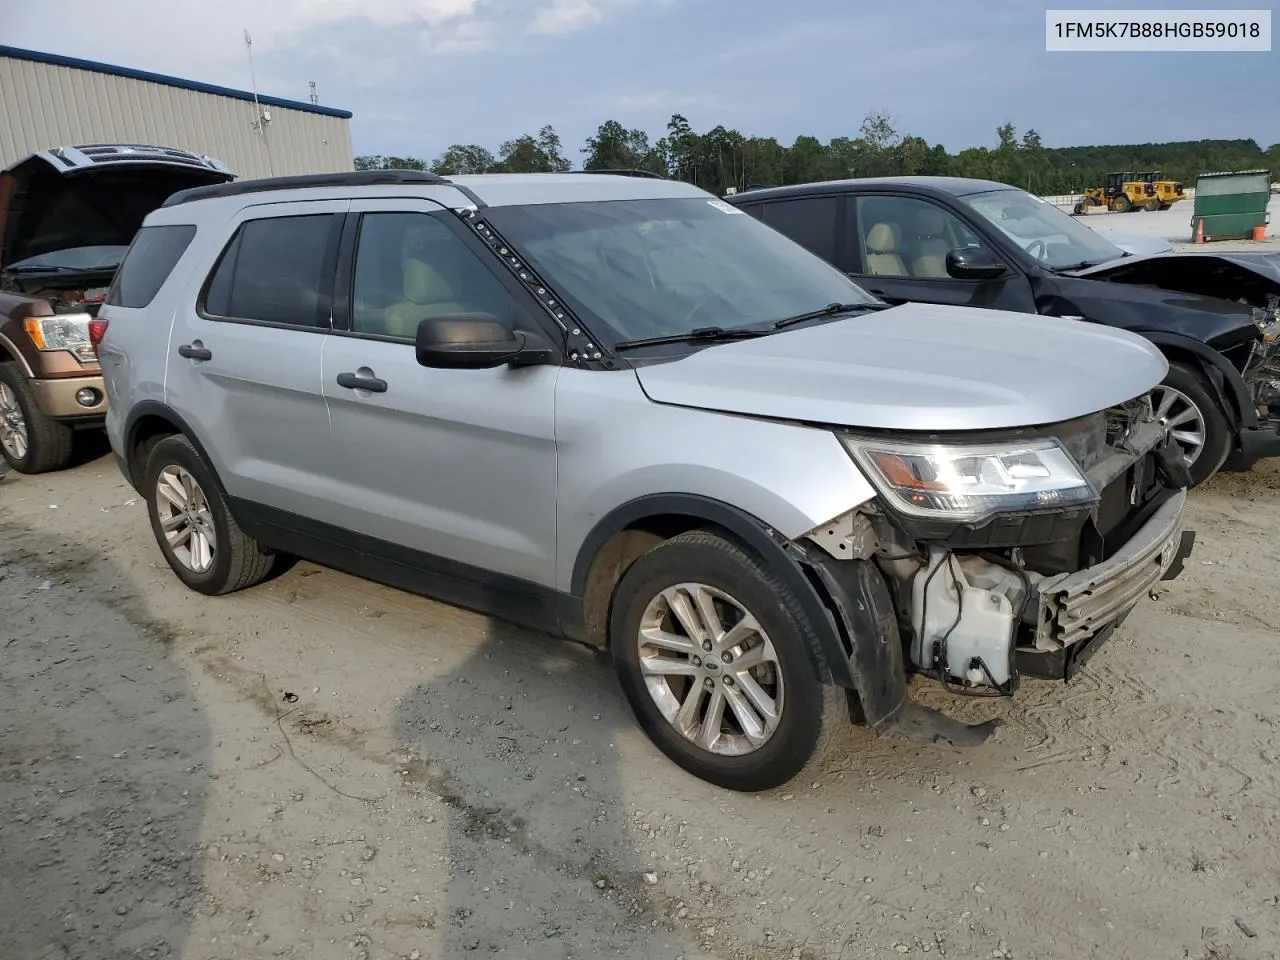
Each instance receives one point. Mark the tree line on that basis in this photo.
(720, 158)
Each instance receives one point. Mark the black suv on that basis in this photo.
(979, 243)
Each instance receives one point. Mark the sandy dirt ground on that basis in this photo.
(324, 768)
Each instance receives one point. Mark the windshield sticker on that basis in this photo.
(723, 207)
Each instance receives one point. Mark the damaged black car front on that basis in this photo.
(1230, 301)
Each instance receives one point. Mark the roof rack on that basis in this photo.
(628, 173)
(354, 178)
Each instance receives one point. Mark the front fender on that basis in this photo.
(1225, 377)
(847, 601)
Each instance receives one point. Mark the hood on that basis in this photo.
(1244, 277)
(1213, 297)
(91, 196)
(917, 367)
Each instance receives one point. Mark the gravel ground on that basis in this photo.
(324, 768)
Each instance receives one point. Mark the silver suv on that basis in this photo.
(620, 410)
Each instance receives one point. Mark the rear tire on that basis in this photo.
(30, 441)
(199, 538)
(751, 715)
(1151, 206)
(1121, 204)
(1186, 401)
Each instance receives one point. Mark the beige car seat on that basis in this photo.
(931, 247)
(882, 251)
(427, 293)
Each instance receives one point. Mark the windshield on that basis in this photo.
(651, 268)
(1053, 237)
(75, 258)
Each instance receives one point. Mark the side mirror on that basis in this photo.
(974, 263)
(477, 341)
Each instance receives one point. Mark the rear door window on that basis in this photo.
(809, 221)
(154, 253)
(277, 270)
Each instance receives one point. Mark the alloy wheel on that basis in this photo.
(711, 669)
(185, 519)
(13, 425)
(1182, 420)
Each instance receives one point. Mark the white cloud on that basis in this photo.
(566, 16)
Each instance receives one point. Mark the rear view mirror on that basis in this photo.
(476, 341)
(973, 263)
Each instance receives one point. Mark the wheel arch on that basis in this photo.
(149, 422)
(1225, 379)
(9, 353)
(630, 530)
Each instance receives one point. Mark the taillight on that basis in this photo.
(97, 330)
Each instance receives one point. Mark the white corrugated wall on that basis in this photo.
(43, 105)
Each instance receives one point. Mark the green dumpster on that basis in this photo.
(1230, 205)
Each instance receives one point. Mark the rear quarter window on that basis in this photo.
(147, 265)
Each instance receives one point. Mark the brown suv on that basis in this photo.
(67, 216)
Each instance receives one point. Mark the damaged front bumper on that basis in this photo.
(1078, 611)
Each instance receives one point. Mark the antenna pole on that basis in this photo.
(257, 124)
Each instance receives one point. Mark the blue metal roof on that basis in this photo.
(75, 63)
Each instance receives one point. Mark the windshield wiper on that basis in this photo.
(830, 310)
(33, 268)
(1085, 264)
(702, 333)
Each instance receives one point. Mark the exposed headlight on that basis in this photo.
(67, 331)
(1267, 322)
(972, 482)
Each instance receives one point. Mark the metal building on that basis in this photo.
(48, 100)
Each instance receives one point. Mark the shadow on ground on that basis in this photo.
(103, 754)
(543, 855)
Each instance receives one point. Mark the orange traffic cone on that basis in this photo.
(1199, 237)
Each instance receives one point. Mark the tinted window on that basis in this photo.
(809, 221)
(151, 258)
(276, 270)
(410, 266)
(655, 267)
(908, 237)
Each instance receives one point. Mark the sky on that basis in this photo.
(420, 75)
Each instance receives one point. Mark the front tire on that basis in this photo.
(30, 441)
(1186, 405)
(716, 657)
(199, 538)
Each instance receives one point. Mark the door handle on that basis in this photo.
(195, 351)
(353, 382)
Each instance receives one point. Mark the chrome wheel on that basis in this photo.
(185, 519)
(711, 669)
(1182, 420)
(13, 425)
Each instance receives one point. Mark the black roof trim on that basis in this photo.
(354, 178)
(928, 186)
